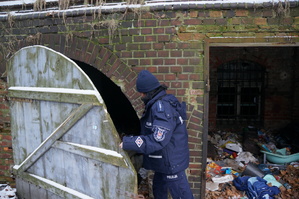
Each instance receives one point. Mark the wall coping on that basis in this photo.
(24, 10)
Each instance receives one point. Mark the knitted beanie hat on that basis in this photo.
(146, 82)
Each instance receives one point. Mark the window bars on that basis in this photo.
(240, 92)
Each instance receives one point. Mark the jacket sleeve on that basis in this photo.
(162, 129)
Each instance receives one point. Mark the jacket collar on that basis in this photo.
(154, 99)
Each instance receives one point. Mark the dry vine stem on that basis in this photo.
(39, 5)
(63, 4)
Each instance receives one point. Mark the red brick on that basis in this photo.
(183, 77)
(170, 77)
(150, 38)
(146, 31)
(241, 13)
(151, 23)
(216, 14)
(170, 62)
(193, 13)
(176, 54)
(260, 21)
(162, 69)
(151, 54)
(159, 30)
(192, 21)
(145, 62)
(139, 39)
(176, 85)
(163, 38)
(157, 61)
(182, 61)
(176, 69)
(163, 53)
(158, 46)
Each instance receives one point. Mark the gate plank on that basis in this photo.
(37, 192)
(56, 94)
(100, 154)
(60, 131)
(20, 151)
(54, 187)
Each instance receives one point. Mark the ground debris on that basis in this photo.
(144, 188)
(225, 191)
(291, 176)
(241, 155)
(7, 192)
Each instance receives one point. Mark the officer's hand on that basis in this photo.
(121, 145)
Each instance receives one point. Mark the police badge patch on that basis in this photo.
(139, 141)
(159, 134)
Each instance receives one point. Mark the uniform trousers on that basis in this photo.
(177, 184)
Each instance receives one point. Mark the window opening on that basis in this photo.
(240, 89)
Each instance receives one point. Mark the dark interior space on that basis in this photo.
(119, 107)
(253, 118)
(255, 89)
(255, 86)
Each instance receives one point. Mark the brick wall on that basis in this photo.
(6, 159)
(168, 41)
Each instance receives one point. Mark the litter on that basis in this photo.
(280, 159)
(246, 157)
(213, 169)
(255, 157)
(234, 147)
(212, 186)
(7, 192)
(223, 179)
(255, 187)
(271, 179)
(253, 171)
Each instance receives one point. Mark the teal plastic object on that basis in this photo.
(281, 159)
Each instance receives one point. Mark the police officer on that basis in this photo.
(163, 139)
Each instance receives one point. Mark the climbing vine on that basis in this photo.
(63, 4)
(111, 22)
(39, 5)
(282, 8)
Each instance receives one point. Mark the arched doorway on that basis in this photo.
(119, 107)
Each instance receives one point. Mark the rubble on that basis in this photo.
(240, 166)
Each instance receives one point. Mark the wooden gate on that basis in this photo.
(64, 142)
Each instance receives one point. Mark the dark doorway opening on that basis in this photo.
(119, 107)
(256, 86)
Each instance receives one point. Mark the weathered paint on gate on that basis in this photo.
(64, 142)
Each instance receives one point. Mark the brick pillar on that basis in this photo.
(6, 154)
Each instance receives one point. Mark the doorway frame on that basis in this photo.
(271, 41)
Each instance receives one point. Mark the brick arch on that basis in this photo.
(111, 65)
(97, 56)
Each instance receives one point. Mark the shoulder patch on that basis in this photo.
(159, 134)
(160, 106)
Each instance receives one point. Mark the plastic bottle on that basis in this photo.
(285, 184)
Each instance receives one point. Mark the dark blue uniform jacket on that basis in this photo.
(164, 137)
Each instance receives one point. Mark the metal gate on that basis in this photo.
(64, 142)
